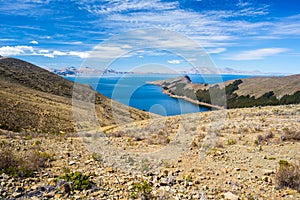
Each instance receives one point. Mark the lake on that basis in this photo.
(132, 90)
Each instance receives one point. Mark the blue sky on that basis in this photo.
(246, 35)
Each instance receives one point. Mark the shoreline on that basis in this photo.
(160, 83)
(192, 100)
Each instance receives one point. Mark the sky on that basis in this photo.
(244, 35)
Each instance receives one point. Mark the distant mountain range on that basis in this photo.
(72, 71)
(226, 70)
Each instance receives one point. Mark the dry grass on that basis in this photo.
(288, 175)
(290, 134)
(14, 163)
(259, 86)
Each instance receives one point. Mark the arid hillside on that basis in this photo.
(246, 92)
(249, 153)
(283, 85)
(35, 99)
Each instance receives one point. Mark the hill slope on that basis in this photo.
(32, 98)
(247, 92)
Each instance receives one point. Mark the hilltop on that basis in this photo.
(35, 99)
(246, 92)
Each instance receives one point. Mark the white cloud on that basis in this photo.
(216, 50)
(43, 51)
(6, 39)
(174, 61)
(243, 4)
(59, 53)
(38, 1)
(210, 29)
(31, 51)
(15, 50)
(257, 54)
(116, 6)
(79, 54)
(34, 42)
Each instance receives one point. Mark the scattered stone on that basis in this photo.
(237, 169)
(17, 194)
(230, 196)
(109, 169)
(72, 163)
(268, 172)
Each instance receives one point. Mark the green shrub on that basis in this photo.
(231, 142)
(96, 157)
(284, 163)
(79, 180)
(189, 178)
(141, 190)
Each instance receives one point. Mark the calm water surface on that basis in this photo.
(134, 91)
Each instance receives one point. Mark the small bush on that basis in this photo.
(231, 142)
(37, 159)
(97, 157)
(264, 138)
(14, 164)
(141, 190)
(219, 144)
(118, 134)
(284, 163)
(269, 135)
(288, 175)
(290, 134)
(259, 139)
(189, 178)
(79, 181)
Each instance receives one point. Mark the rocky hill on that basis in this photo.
(35, 99)
(246, 92)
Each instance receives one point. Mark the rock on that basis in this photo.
(267, 172)
(19, 189)
(51, 181)
(72, 163)
(230, 196)
(58, 196)
(17, 194)
(88, 161)
(163, 182)
(63, 186)
(3, 183)
(4, 176)
(205, 187)
(237, 169)
(267, 179)
(109, 170)
(291, 192)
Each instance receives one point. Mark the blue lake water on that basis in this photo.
(132, 90)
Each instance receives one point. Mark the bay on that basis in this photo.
(133, 90)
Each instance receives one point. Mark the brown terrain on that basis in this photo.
(245, 92)
(248, 153)
(257, 86)
(237, 160)
(35, 99)
(280, 85)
